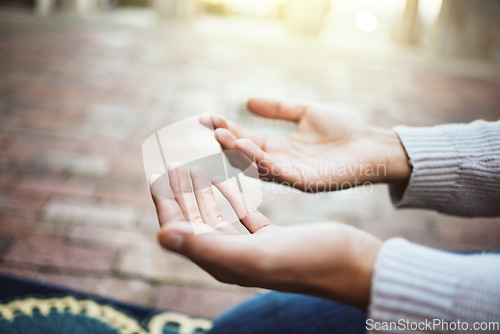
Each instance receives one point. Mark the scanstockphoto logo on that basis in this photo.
(433, 325)
(193, 145)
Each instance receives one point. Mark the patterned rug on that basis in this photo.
(35, 308)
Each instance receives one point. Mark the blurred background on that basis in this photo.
(84, 82)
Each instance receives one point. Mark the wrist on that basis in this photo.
(364, 258)
(353, 279)
(395, 160)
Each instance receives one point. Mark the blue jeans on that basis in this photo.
(279, 313)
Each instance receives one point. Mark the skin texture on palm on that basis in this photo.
(328, 260)
(328, 150)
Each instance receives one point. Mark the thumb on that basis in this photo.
(173, 237)
(213, 247)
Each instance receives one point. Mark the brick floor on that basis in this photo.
(25, 273)
(167, 268)
(50, 252)
(5, 242)
(101, 235)
(77, 99)
(64, 210)
(198, 302)
(73, 186)
(128, 290)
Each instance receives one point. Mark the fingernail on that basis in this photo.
(217, 133)
(242, 141)
(218, 179)
(240, 144)
(173, 241)
(153, 178)
(174, 165)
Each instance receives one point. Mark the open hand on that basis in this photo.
(329, 150)
(329, 260)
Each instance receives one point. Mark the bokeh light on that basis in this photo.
(366, 20)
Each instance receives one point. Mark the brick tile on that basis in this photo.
(149, 222)
(207, 303)
(22, 204)
(60, 210)
(42, 183)
(96, 146)
(4, 138)
(15, 226)
(131, 238)
(166, 268)
(73, 163)
(51, 252)
(7, 179)
(125, 290)
(73, 186)
(5, 243)
(125, 193)
(80, 186)
(487, 225)
(24, 273)
(18, 155)
(125, 173)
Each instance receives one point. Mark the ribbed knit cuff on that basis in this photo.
(456, 168)
(412, 283)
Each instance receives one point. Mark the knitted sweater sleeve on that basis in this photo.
(417, 286)
(456, 169)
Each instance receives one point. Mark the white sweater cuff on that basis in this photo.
(418, 284)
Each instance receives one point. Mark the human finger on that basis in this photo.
(268, 168)
(207, 204)
(276, 109)
(181, 187)
(247, 213)
(167, 208)
(216, 121)
(238, 158)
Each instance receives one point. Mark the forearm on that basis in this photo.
(415, 283)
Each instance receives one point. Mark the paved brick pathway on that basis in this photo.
(77, 99)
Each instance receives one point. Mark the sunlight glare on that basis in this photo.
(366, 20)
